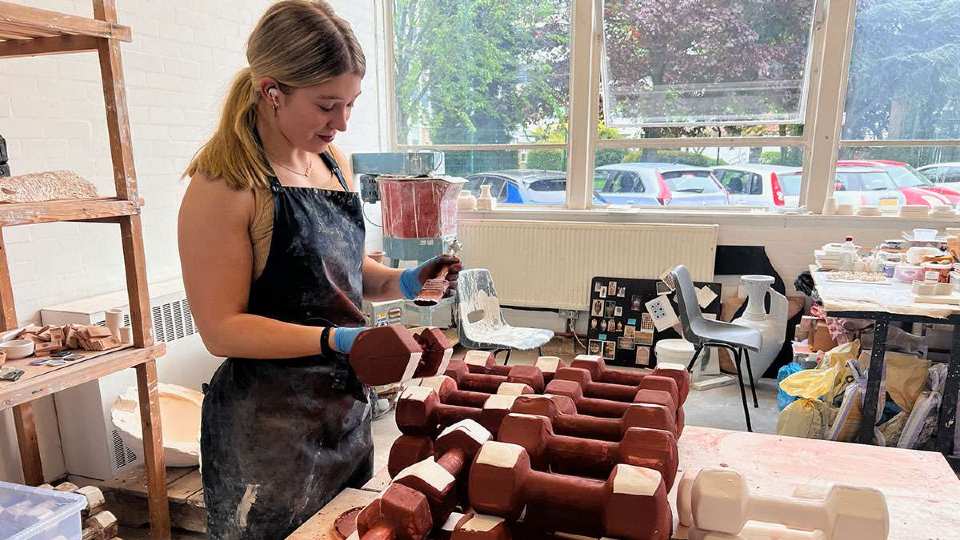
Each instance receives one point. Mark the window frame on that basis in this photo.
(824, 97)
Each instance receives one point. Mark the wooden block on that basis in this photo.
(102, 526)
(67, 486)
(94, 331)
(96, 502)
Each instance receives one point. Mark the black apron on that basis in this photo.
(280, 438)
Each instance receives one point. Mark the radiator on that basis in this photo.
(551, 264)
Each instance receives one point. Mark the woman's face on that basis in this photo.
(310, 117)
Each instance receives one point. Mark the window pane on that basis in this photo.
(702, 177)
(904, 80)
(899, 175)
(534, 177)
(675, 61)
(481, 71)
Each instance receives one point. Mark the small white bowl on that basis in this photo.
(17, 348)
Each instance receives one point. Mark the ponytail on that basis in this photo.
(233, 153)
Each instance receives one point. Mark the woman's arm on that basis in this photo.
(380, 282)
(216, 256)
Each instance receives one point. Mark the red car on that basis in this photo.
(908, 181)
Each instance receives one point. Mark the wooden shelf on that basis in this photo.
(26, 390)
(66, 210)
(30, 31)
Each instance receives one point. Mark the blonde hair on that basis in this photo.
(298, 43)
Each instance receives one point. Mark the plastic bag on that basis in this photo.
(827, 380)
(806, 418)
(783, 398)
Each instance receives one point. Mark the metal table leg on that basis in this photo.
(874, 377)
(948, 405)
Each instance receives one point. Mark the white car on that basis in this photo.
(760, 185)
(943, 174)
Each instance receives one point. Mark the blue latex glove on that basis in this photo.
(343, 338)
(412, 279)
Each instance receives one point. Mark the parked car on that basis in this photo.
(658, 184)
(760, 185)
(522, 186)
(868, 182)
(943, 174)
(906, 177)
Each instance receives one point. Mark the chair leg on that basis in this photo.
(753, 389)
(696, 356)
(743, 391)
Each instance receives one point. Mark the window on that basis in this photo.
(732, 61)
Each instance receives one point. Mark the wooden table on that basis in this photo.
(923, 493)
(884, 303)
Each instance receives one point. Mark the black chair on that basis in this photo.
(705, 333)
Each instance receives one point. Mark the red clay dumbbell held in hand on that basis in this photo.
(570, 423)
(400, 513)
(631, 504)
(529, 375)
(437, 478)
(437, 352)
(642, 447)
(602, 373)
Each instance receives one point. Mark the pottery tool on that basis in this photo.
(435, 288)
(529, 375)
(608, 408)
(631, 503)
(485, 363)
(720, 501)
(652, 448)
(600, 372)
(566, 421)
(437, 476)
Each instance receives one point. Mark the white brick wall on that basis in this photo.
(183, 55)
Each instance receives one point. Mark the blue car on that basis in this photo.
(522, 186)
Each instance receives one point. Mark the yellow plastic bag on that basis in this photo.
(807, 418)
(823, 381)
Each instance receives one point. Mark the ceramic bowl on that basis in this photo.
(17, 348)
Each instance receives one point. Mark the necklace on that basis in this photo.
(298, 173)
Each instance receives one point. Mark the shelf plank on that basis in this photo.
(25, 390)
(14, 48)
(36, 23)
(66, 210)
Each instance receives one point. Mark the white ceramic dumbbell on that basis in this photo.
(757, 531)
(720, 501)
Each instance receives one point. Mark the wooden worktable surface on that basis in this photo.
(923, 493)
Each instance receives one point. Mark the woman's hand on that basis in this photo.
(412, 279)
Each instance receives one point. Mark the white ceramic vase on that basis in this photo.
(772, 326)
(486, 202)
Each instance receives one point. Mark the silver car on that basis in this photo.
(658, 184)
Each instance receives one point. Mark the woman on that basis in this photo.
(271, 244)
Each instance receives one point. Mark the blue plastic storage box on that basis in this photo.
(29, 513)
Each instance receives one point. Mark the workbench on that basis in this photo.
(923, 493)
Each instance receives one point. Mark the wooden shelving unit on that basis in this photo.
(29, 31)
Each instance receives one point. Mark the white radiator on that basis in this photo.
(551, 263)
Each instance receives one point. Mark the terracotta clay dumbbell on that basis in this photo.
(652, 448)
(437, 478)
(385, 355)
(605, 408)
(407, 450)
(617, 392)
(473, 527)
(528, 375)
(631, 503)
(565, 422)
(400, 513)
(420, 411)
(602, 373)
(720, 501)
(485, 363)
(450, 393)
(437, 352)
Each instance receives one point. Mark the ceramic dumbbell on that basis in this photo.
(398, 513)
(602, 373)
(591, 427)
(473, 527)
(436, 477)
(385, 355)
(450, 394)
(605, 408)
(437, 352)
(528, 375)
(642, 447)
(631, 503)
(420, 411)
(720, 501)
(407, 450)
(484, 363)
(617, 392)
(757, 531)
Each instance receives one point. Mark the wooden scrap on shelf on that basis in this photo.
(45, 186)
